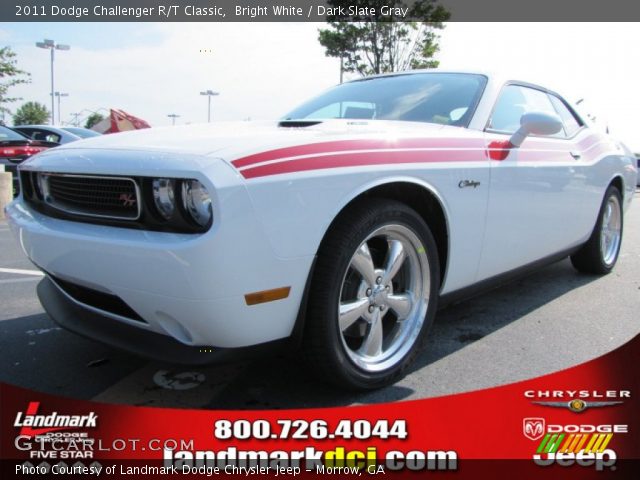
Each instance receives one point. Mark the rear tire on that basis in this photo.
(373, 295)
(600, 254)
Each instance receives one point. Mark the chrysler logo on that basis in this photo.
(127, 199)
(533, 428)
(577, 405)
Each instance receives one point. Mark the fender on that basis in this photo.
(297, 333)
(378, 182)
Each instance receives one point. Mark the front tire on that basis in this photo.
(373, 295)
(600, 254)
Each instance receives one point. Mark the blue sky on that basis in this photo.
(90, 35)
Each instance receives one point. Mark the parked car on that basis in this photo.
(47, 133)
(15, 148)
(340, 228)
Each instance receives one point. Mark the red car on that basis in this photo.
(16, 148)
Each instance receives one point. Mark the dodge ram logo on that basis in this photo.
(533, 428)
(127, 199)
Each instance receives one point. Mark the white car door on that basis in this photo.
(536, 190)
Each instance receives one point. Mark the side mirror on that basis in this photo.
(536, 123)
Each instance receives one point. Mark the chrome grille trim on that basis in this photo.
(58, 205)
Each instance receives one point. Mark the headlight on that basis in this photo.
(197, 202)
(163, 197)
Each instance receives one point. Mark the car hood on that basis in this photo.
(231, 140)
(198, 146)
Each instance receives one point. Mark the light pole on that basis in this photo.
(209, 94)
(173, 117)
(60, 95)
(75, 120)
(51, 45)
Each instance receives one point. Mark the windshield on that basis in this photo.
(82, 132)
(443, 98)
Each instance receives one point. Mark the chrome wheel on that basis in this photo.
(610, 231)
(384, 297)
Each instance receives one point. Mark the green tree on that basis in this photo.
(379, 44)
(93, 119)
(31, 113)
(10, 76)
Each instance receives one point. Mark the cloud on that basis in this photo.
(264, 69)
(261, 71)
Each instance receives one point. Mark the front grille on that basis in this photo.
(94, 196)
(100, 300)
(118, 201)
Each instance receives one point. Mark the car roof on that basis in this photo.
(43, 127)
(496, 78)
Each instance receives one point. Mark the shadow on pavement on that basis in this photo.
(39, 355)
(285, 382)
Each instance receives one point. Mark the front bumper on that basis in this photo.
(90, 324)
(187, 287)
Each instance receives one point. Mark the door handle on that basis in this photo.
(575, 155)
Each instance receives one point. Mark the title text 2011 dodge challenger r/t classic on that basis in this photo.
(338, 228)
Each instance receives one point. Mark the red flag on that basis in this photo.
(120, 121)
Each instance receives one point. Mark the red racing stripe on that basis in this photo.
(346, 145)
(363, 158)
(470, 150)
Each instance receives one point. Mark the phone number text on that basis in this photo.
(305, 429)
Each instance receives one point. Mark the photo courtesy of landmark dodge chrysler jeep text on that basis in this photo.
(336, 230)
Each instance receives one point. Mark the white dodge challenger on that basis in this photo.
(338, 229)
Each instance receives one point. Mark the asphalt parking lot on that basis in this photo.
(553, 319)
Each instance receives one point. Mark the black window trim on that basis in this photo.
(546, 91)
(576, 117)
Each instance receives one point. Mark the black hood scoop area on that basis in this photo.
(298, 123)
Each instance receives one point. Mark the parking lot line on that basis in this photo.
(20, 271)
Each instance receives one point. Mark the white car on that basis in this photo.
(338, 229)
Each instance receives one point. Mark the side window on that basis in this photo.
(569, 120)
(515, 101)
